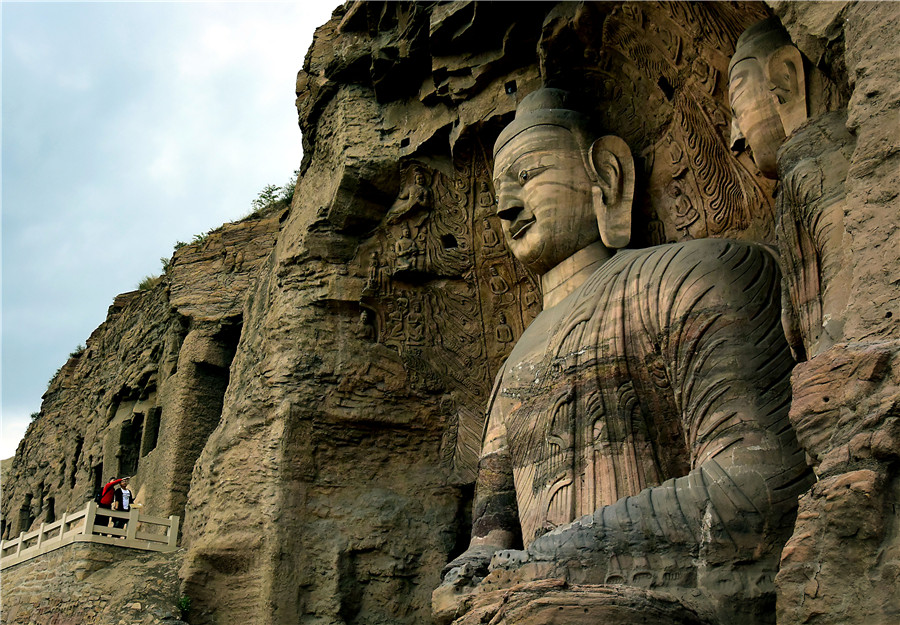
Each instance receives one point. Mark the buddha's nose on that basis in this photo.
(508, 211)
(509, 204)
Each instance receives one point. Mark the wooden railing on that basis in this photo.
(141, 532)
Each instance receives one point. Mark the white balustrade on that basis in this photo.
(141, 532)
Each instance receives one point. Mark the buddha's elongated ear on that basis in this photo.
(787, 81)
(612, 173)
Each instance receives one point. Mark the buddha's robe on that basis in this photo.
(649, 408)
(813, 165)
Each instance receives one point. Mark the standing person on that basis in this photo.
(124, 498)
(107, 496)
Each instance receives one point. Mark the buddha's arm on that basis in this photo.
(495, 524)
(495, 521)
(728, 366)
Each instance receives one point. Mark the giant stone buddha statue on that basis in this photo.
(637, 433)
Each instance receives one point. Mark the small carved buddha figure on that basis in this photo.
(415, 325)
(374, 272)
(406, 250)
(685, 213)
(488, 237)
(485, 197)
(503, 332)
(638, 431)
(499, 286)
(394, 326)
(416, 196)
(778, 101)
(364, 329)
(656, 230)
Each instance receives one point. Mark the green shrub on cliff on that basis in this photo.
(148, 283)
(273, 197)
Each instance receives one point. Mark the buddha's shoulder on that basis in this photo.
(716, 255)
(698, 266)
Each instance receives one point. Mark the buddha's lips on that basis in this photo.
(520, 226)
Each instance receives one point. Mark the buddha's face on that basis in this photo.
(753, 106)
(544, 197)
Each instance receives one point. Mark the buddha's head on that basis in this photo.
(560, 188)
(767, 89)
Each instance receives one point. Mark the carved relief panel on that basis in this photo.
(443, 292)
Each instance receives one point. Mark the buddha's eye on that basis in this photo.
(523, 176)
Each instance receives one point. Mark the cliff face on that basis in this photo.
(308, 388)
(356, 403)
(145, 393)
(843, 563)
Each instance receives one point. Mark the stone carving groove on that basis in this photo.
(443, 292)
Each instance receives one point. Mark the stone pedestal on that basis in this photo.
(554, 602)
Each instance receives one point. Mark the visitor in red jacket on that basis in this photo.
(107, 496)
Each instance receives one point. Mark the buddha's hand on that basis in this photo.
(509, 559)
(573, 541)
(521, 565)
(469, 568)
(459, 580)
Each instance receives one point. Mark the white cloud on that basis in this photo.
(126, 127)
(12, 429)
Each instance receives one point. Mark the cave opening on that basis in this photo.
(151, 430)
(130, 444)
(73, 471)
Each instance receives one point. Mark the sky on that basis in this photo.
(126, 127)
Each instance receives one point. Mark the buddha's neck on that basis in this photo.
(572, 272)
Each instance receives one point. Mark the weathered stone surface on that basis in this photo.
(322, 396)
(88, 584)
(553, 602)
(845, 400)
(209, 280)
(842, 564)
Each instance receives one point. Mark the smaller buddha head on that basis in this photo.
(767, 90)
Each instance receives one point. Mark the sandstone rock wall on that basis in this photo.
(843, 563)
(90, 584)
(320, 397)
